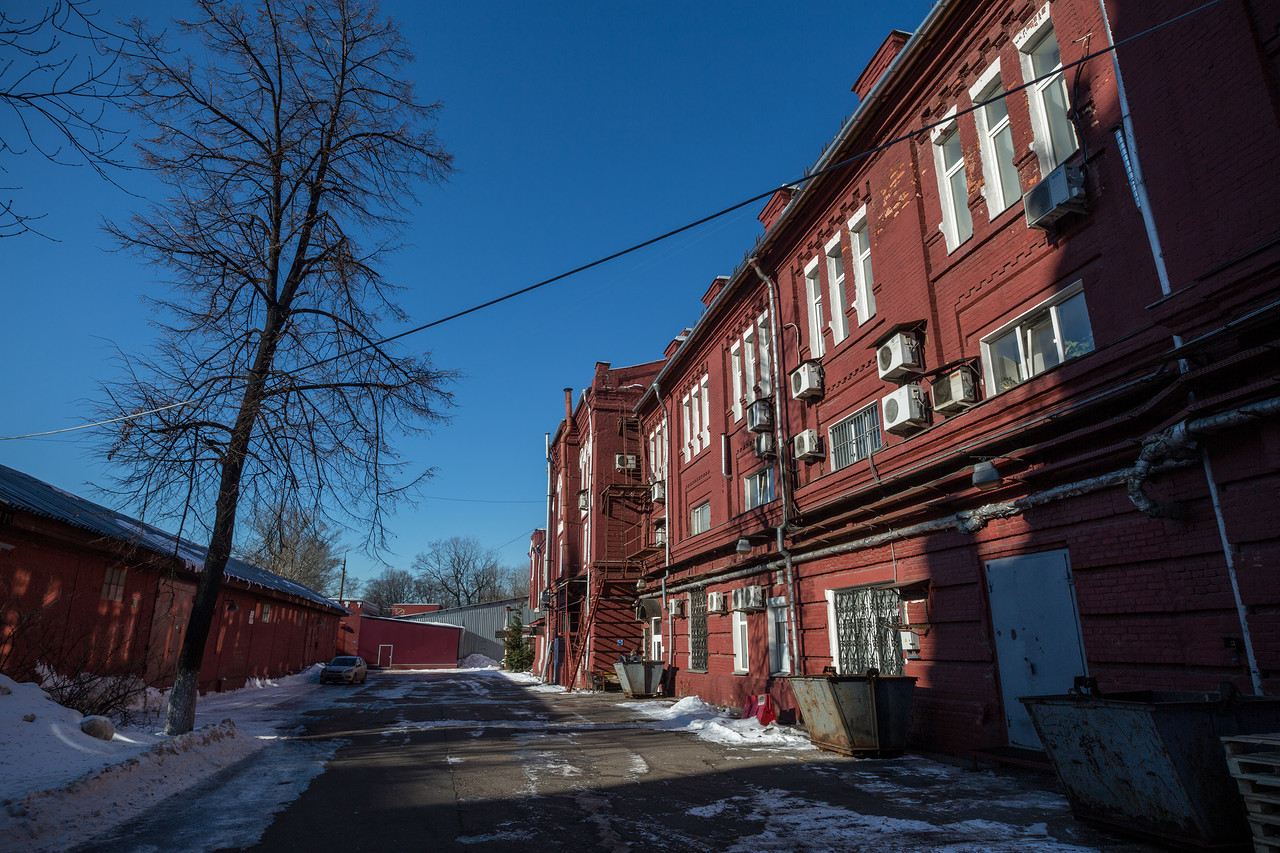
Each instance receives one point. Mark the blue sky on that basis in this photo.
(578, 129)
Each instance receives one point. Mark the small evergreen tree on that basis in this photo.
(517, 653)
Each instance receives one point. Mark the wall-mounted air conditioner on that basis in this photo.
(903, 410)
(626, 461)
(808, 445)
(955, 392)
(748, 598)
(716, 603)
(760, 415)
(1060, 193)
(806, 381)
(676, 606)
(899, 357)
(584, 500)
(658, 492)
(766, 445)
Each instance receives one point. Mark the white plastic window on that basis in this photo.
(864, 300)
(953, 185)
(835, 284)
(1055, 138)
(1039, 340)
(1001, 186)
(813, 290)
(741, 637)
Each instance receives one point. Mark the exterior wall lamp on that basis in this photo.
(744, 546)
(986, 477)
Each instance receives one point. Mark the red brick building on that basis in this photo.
(84, 589)
(993, 400)
(585, 570)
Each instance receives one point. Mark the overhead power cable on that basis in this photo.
(951, 117)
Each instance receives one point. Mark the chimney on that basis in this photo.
(776, 205)
(675, 344)
(713, 291)
(568, 404)
(880, 63)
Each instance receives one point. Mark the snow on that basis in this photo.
(708, 722)
(477, 661)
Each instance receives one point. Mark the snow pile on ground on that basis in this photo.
(708, 722)
(478, 661)
(533, 683)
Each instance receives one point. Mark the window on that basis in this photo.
(835, 281)
(953, 185)
(655, 635)
(1001, 186)
(864, 301)
(813, 288)
(741, 660)
(779, 640)
(266, 613)
(1055, 138)
(751, 363)
(113, 585)
(698, 629)
(855, 437)
(695, 414)
(863, 625)
(658, 452)
(700, 519)
(759, 488)
(1037, 341)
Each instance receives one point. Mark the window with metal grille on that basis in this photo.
(867, 636)
(698, 630)
(855, 437)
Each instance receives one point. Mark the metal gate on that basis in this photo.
(698, 629)
(867, 634)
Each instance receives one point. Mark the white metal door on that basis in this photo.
(384, 655)
(1039, 649)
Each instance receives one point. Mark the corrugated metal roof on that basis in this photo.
(25, 492)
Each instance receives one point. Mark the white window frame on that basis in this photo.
(741, 644)
(735, 365)
(700, 518)
(951, 206)
(704, 435)
(871, 411)
(764, 354)
(864, 300)
(813, 291)
(833, 253)
(990, 85)
(755, 486)
(749, 363)
(1031, 37)
(779, 636)
(655, 638)
(1020, 325)
(686, 419)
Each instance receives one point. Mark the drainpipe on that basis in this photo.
(546, 568)
(793, 636)
(1178, 441)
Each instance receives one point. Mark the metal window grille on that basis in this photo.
(855, 438)
(865, 632)
(698, 629)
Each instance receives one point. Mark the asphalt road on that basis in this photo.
(470, 761)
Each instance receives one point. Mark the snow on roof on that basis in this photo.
(25, 492)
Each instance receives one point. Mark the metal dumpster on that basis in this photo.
(856, 714)
(1150, 763)
(638, 678)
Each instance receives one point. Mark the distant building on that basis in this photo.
(482, 625)
(84, 588)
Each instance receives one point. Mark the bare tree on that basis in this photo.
(394, 586)
(295, 544)
(58, 73)
(459, 571)
(291, 151)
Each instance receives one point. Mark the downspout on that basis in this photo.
(793, 636)
(1153, 238)
(546, 569)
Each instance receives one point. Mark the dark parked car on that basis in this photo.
(345, 668)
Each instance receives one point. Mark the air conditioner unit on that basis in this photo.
(626, 461)
(808, 445)
(584, 499)
(676, 606)
(716, 603)
(1058, 194)
(898, 357)
(760, 415)
(748, 598)
(658, 492)
(806, 381)
(955, 392)
(766, 445)
(903, 410)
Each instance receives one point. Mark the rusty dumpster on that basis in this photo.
(856, 714)
(639, 679)
(1151, 763)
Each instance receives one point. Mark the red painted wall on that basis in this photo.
(413, 645)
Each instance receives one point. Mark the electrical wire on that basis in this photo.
(809, 176)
